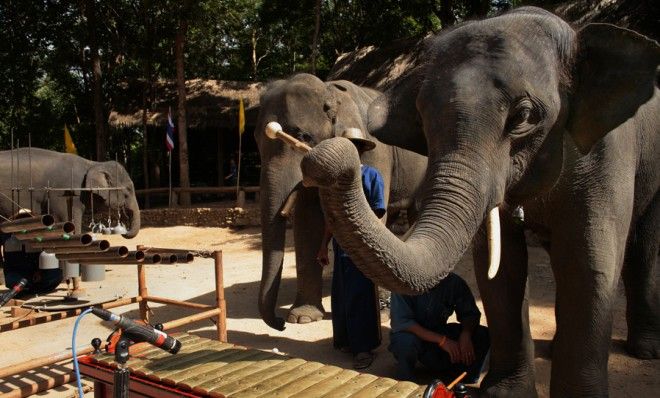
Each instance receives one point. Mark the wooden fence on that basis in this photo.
(240, 194)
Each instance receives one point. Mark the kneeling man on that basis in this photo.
(420, 332)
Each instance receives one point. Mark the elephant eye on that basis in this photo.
(523, 118)
(305, 137)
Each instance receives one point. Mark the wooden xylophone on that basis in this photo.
(208, 368)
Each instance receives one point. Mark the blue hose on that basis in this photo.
(73, 351)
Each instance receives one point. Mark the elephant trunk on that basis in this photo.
(453, 208)
(275, 189)
(133, 210)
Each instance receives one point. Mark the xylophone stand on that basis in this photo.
(122, 374)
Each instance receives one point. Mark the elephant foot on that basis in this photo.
(643, 346)
(495, 387)
(304, 314)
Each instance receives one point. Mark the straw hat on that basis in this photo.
(358, 138)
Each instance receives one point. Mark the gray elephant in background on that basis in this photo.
(63, 170)
(312, 111)
(521, 109)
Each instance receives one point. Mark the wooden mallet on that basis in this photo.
(274, 131)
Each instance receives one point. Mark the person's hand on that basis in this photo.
(452, 348)
(322, 256)
(467, 348)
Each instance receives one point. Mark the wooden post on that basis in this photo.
(142, 289)
(221, 323)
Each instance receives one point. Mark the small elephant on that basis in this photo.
(312, 111)
(62, 170)
(523, 110)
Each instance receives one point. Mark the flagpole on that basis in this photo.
(241, 128)
(238, 172)
(169, 170)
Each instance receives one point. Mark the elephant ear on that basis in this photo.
(345, 106)
(98, 177)
(393, 116)
(616, 72)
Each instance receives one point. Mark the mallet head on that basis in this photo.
(272, 129)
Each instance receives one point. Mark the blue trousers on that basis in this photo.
(408, 349)
(355, 313)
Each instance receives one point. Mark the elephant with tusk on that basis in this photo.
(312, 111)
(521, 109)
(63, 170)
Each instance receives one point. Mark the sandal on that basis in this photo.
(363, 360)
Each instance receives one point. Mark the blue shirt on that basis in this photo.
(373, 187)
(432, 309)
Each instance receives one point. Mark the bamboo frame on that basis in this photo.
(218, 312)
(143, 298)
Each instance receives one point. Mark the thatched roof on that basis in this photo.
(379, 67)
(209, 103)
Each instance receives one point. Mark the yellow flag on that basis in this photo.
(241, 117)
(69, 146)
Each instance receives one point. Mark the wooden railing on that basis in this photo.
(240, 199)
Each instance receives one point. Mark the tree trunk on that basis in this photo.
(446, 13)
(221, 158)
(179, 41)
(146, 96)
(97, 90)
(478, 8)
(315, 39)
(254, 54)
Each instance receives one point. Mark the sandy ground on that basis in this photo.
(629, 377)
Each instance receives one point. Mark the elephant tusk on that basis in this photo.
(494, 241)
(289, 204)
(274, 131)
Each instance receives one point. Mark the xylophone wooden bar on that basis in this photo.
(207, 368)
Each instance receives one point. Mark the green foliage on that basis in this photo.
(46, 78)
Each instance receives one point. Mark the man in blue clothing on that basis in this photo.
(19, 263)
(420, 331)
(355, 311)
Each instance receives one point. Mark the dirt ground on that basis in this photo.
(629, 377)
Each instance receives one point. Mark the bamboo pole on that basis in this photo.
(70, 240)
(168, 258)
(45, 361)
(94, 247)
(221, 320)
(130, 259)
(39, 385)
(54, 316)
(27, 224)
(142, 289)
(164, 250)
(178, 257)
(112, 252)
(53, 231)
(163, 300)
(192, 318)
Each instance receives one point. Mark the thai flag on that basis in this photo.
(169, 136)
